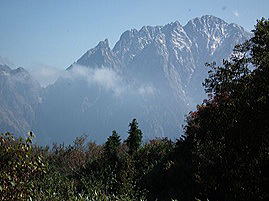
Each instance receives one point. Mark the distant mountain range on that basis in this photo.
(20, 96)
(153, 74)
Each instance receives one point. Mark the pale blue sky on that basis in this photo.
(57, 32)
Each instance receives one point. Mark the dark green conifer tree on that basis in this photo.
(112, 144)
(134, 139)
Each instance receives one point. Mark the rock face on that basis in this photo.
(20, 96)
(153, 74)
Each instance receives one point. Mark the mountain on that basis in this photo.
(4, 61)
(99, 56)
(20, 95)
(153, 74)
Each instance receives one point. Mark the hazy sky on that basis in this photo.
(55, 33)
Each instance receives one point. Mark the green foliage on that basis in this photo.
(230, 132)
(152, 162)
(20, 165)
(112, 145)
(134, 139)
(224, 154)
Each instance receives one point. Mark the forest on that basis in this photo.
(223, 154)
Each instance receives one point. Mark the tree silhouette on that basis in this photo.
(112, 144)
(134, 139)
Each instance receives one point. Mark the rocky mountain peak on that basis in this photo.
(159, 71)
(20, 95)
(4, 68)
(212, 19)
(207, 25)
(172, 26)
(207, 20)
(103, 45)
(5, 61)
(99, 56)
(19, 70)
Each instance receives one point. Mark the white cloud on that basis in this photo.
(46, 75)
(109, 79)
(236, 13)
(106, 78)
(103, 77)
(146, 90)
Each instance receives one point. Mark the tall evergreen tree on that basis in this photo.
(230, 132)
(112, 144)
(134, 139)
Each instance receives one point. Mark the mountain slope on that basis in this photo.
(20, 94)
(153, 74)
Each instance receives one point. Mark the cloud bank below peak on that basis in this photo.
(109, 80)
